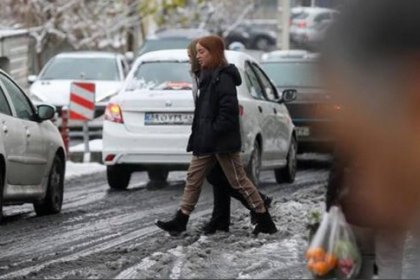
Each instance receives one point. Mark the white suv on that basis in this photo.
(309, 24)
(147, 125)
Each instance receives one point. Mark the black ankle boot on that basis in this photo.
(214, 224)
(267, 203)
(265, 224)
(175, 226)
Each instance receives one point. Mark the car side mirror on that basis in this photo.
(32, 78)
(288, 95)
(45, 112)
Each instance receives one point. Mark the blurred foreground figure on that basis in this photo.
(371, 62)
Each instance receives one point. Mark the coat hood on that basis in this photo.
(233, 71)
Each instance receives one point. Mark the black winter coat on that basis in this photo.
(215, 127)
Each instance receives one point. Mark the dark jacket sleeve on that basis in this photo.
(227, 103)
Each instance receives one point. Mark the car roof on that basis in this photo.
(234, 57)
(281, 55)
(315, 9)
(189, 33)
(87, 54)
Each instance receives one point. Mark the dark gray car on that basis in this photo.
(313, 107)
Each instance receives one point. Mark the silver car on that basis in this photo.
(147, 125)
(309, 25)
(32, 154)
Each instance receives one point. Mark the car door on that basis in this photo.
(36, 147)
(258, 109)
(277, 115)
(14, 142)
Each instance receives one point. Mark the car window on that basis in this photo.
(82, 68)
(292, 73)
(252, 83)
(322, 16)
(164, 44)
(4, 104)
(269, 89)
(19, 100)
(302, 15)
(162, 75)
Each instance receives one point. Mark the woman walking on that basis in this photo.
(222, 190)
(216, 137)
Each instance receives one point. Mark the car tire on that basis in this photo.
(118, 177)
(53, 200)
(287, 174)
(262, 43)
(160, 175)
(254, 165)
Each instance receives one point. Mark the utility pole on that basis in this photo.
(283, 21)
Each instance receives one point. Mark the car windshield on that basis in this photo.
(298, 74)
(162, 75)
(85, 68)
(164, 44)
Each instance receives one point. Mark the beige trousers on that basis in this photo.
(232, 166)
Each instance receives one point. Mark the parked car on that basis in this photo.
(314, 106)
(106, 70)
(257, 35)
(173, 38)
(309, 25)
(147, 125)
(32, 154)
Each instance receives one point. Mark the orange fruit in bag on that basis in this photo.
(315, 253)
(321, 268)
(331, 260)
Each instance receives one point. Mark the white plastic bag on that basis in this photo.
(333, 249)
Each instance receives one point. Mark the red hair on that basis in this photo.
(216, 47)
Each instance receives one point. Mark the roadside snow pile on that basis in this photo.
(74, 169)
(238, 254)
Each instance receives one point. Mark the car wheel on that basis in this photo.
(158, 175)
(287, 174)
(53, 200)
(118, 177)
(254, 166)
(262, 44)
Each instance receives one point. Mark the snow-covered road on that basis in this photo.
(111, 234)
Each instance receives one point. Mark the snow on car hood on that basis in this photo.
(57, 92)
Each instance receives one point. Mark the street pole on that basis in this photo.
(283, 19)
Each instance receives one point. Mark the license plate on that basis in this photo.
(168, 118)
(303, 131)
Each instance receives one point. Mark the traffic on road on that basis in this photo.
(303, 112)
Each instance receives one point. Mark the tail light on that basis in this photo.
(110, 157)
(302, 24)
(113, 113)
(241, 110)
